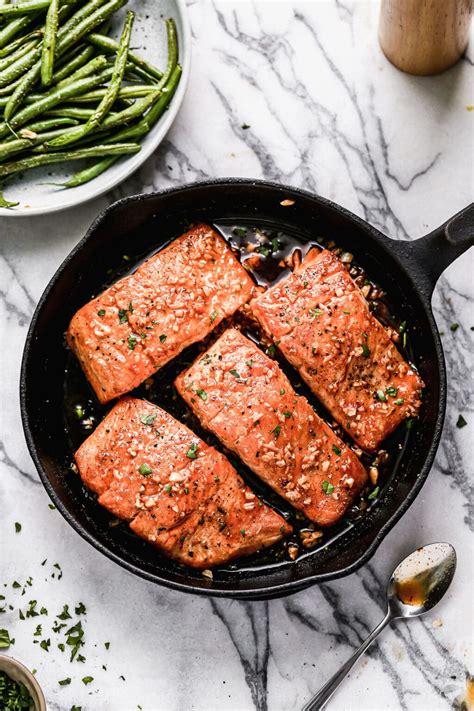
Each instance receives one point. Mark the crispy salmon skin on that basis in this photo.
(322, 324)
(245, 399)
(172, 300)
(175, 491)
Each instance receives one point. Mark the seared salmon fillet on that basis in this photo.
(172, 300)
(322, 324)
(174, 490)
(245, 399)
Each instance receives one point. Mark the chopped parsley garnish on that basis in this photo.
(234, 373)
(391, 391)
(213, 316)
(276, 431)
(123, 315)
(409, 424)
(45, 644)
(287, 413)
(80, 609)
(145, 469)
(243, 532)
(327, 487)
(202, 393)
(147, 419)
(5, 640)
(271, 350)
(163, 337)
(315, 312)
(276, 246)
(461, 422)
(282, 391)
(365, 349)
(65, 682)
(130, 307)
(74, 639)
(17, 527)
(101, 312)
(79, 411)
(239, 231)
(192, 452)
(87, 679)
(282, 529)
(132, 341)
(380, 395)
(336, 450)
(263, 250)
(399, 401)
(403, 327)
(454, 327)
(373, 495)
(64, 615)
(106, 645)
(168, 488)
(245, 126)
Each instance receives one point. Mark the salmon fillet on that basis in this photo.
(243, 397)
(174, 490)
(143, 321)
(322, 324)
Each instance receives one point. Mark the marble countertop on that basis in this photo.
(327, 112)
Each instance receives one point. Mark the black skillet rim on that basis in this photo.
(264, 591)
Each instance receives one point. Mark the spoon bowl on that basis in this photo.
(420, 581)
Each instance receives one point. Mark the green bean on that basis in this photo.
(14, 28)
(131, 113)
(110, 45)
(7, 90)
(51, 158)
(19, 67)
(20, 52)
(69, 68)
(49, 43)
(162, 104)
(70, 34)
(13, 46)
(48, 124)
(20, 92)
(53, 98)
(172, 52)
(110, 93)
(18, 145)
(96, 64)
(23, 8)
(71, 112)
(126, 92)
(84, 176)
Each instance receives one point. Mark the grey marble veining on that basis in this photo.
(326, 112)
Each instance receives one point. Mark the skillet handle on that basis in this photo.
(427, 258)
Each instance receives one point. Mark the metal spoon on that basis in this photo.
(416, 586)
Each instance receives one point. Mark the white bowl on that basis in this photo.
(35, 190)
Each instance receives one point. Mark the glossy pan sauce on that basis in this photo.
(269, 254)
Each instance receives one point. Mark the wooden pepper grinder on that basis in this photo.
(424, 36)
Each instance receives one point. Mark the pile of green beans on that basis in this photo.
(69, 92)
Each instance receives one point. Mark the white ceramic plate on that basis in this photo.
(35, 190)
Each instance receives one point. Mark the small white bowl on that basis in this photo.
(35, 190)
(18, 672)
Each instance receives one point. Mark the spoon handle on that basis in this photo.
(324, 694)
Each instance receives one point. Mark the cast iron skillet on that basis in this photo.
(135, 225)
